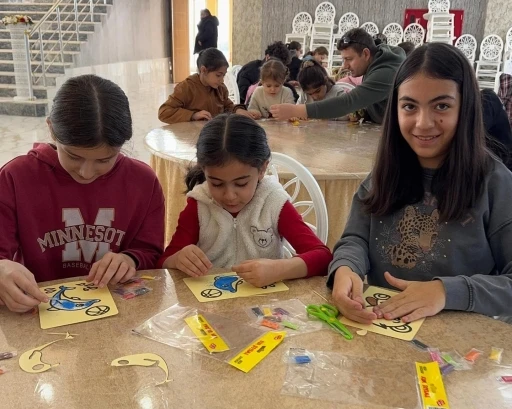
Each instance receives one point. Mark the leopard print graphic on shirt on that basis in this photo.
(418, 234)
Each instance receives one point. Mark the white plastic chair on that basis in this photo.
(415, 34)
(235, 69)
(438, 6)
(489, 62)
(468, 45)
(325, 13)
(347, 22)
(371, 28)
(508, 45)
(232, 86)
(301, 27)
(346, 86)
(394, 33)
(303, 177)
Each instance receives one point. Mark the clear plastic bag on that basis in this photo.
(352, 380)
(288, 315)
(169, 327)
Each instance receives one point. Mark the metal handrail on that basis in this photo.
(45, 17)
(39, 47)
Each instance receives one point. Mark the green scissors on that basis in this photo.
(328, 314)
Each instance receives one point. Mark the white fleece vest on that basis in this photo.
(253, 234)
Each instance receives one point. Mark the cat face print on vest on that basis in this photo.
(262, 238)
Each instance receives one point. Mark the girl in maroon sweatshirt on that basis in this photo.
(79, 206)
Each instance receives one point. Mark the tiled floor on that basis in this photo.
(18, 134)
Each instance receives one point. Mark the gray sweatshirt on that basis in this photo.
(371, 95)
(472, 257)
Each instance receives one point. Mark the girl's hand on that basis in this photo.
(283, 112)
(259, 273)
(347, 293)
(255, 114)
(192, 261)
(113, 268)
(18, 288)
(294, 83)
(202, 116)
(241, 111)
(417, 300)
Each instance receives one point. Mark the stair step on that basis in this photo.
(35, 108)
(64, 17)
(56, 67)
(7, 77)
(9, 91)
(68, 46)
(36, 9)
(36, 56)
(48, 34)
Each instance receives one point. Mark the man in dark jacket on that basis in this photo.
(207, 32)
(250, 72)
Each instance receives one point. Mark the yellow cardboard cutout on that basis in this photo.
(391, 328)
(74, 302)
(146, 359)
(217, 287)
(31, 361)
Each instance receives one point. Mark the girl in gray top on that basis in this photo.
(434, 218)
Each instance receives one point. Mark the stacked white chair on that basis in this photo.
(507, 55)
(301, 27)
(235, 69)
(394, 33)
(468, 45)
(370, 28)
(414, 33)
(489, 62)
(347, 22)
(440, 27)
(232, 86)
(323, 27)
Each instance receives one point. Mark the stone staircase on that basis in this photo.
(49, 33)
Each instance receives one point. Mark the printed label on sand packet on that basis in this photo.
(431, 386)
(259, 349)
(206, 334)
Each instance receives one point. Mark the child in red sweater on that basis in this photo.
(70, 208)
(236, 217)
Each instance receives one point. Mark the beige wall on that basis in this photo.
(499, 17)
(133, 30)
(247, 15)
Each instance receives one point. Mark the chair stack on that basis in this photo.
(507, 55)
(323, 27)
(394, 33)
(468, 45)
(489, 63)
(440, 27)
(347, 22)
(301, 28)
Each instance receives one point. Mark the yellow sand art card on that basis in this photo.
(228, 285)
(74, 302)
(391, 328)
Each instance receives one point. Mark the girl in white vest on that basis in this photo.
(236, 217)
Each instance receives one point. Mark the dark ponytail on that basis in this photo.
(228, 137)
(211, 59)
(90, 111)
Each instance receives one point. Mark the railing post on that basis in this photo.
(29, 67)
(41, 49)
(91, 6)
(60, 35)
(76, 20)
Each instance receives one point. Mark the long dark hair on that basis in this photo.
(228, 137)
(397, 178)
(312, 75)
(90, 111)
